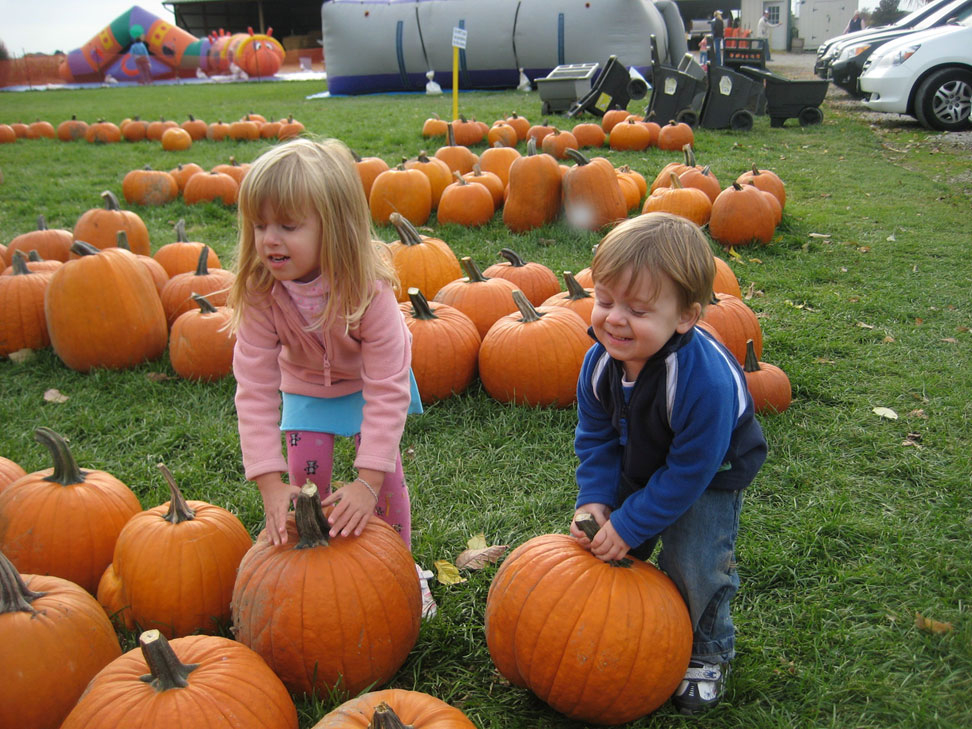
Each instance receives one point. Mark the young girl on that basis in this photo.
(321, 346)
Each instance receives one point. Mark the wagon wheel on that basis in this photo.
(688, 116)
(741, 120)
(809, 115)
(545, 109)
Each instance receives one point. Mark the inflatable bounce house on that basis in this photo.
(399, 45)
(172, 51)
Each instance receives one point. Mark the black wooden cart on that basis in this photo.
(790, 98)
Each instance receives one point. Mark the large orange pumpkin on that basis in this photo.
(601, 643)
(421, 261)
(63, 521)
(103, 310)
(174, 566)
(445, 346)
(741, 215)
(100, 226)
(55, 638)
(212, 283)
(535, 280)
(482, 299)
(199, 681)
(305, 605)
(395, 708)
(200, 343)
(533, 357)
(534, 191)
(592, 196)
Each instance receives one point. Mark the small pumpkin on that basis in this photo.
(134, 129)
(458, 157)
(200, 343)
(768, 385)
(22, 322)
(213, 283)
(196, 128)
(766, 180)
(394, 709)
(151, 686)
(183, 171)
(290, 128)
(52, 244)
(157, 128)
(176, 139)
(55, 638)
(41, 129)
(368, 169)
(482, 299)
(520, 123)
(434, 126)
(690, 203)
(558, 142)
(71, 130)
(630, 135)
(63, 521)
(244, 130)
(407, 192)
(100, 226)
(210, 187)
(182, 255)
(535, 280)
(421, 261)
(578, 299)
(149, 187)
(741, 216)
(465, 203)
(589, 134)
(592, 196)
(611, 118)
(468, 131)
(490, 181)
(736, 323)
(502, 134)
(675, 135)
(498, 161)
(438, 172)
(234, 168)
(703, 179)
(445, 346)
(217, 131)
(664, 177)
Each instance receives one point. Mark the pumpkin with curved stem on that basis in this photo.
(690, 203)
(34, 263)
(482, 299)
(310, 640)
(182, 255)
(576, 298)
(200, 343)
(10, 471)
(407, 192)
(290, 128)
(537, 132)
(72, 129)
(502, 134)
(210, 187)
(467, 132)
(465, 203)
(703, 179)
(675, 135)
(533, 357)
(592, 196)
(100, 226)
(445, 346)
(534, 191)
(458, 157)
(22, 322)
(535, 280)
(765, 180)
(740, 216)
(52, 244)
(602, 643)
(174, 566)
(664, 177)
(64, 521)
(198, 680)
(368, 169)
(434, 126)
(498, 161)
(395, 709)
(422, 261)
(103, 310)
(768, 384)
(55, 638)
(212, 283)
(438, 172)
(149, 187)
(736, 323)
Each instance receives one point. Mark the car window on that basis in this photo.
(946, 13)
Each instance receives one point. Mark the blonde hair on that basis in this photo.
(653, 243)
(304, 177)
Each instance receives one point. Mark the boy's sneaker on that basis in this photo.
(702, 687)
(428, 602)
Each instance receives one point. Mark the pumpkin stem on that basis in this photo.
(179, 510)
(689, 155)
(676, 183)
(111, 200)
(531, 146)
(420, 305)
(407, 233)
(736, 186)
(66, 470)
(752, 362)
(355, 155)
(512, 257)
(204, 304)
(312, 526)
(472, 270)
(166, 671)
(577, 156)
(180, 231)
(15, 596)
(34, 256)
(528, 310)
(41, 223)
(201, 268)
(19, 264)
(450, 136)
(121, 240)
(84, 249)
(588, 524)
(574, 290)
(386, 718)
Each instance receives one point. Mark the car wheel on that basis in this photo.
(944, 99)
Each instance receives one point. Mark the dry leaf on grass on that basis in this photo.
(932, 626)
(447, 573)
(885, 413)
(476, 559)
(53, 395)
(21, 355)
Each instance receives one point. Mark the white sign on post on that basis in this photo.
(459, 38)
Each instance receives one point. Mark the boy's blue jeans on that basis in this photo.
(698, 553)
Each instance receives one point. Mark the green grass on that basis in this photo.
(847, 532)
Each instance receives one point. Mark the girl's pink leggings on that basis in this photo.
(310, 457)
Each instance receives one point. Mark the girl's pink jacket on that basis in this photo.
(275, 353)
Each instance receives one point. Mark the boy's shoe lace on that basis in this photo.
(428, 602)
(702, 687)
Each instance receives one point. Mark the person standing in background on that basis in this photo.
(855, 24)
(718, 33)
(763, 30)
(142, 62)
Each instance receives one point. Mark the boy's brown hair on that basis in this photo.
(658, 242)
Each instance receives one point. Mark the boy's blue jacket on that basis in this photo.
(687, 425)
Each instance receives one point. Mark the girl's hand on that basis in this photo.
(600, 512)
(277, 498)
(355, 505)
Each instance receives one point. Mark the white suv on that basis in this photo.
(927, 75)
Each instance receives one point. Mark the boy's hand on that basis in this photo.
(607, 545)
(355, 505)
(277, 498)
(600, 512)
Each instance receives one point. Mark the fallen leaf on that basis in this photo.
(888, 339)
(919, 321)
(819, 235)
(883, 412)
(476, 559)
(862, 325)
(159, 377)
(864, 249)
(447, 573)
(824, 360)
(755, 260)
(932, 626)
(53, 395)
(733, 254)
(919, 413)
(950, 340)
(21, 356)
(891, 238)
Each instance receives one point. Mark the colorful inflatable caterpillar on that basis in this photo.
(172, 51)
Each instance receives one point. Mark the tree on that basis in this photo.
(885, 13)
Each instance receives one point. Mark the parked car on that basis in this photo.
(927, 75)
(826, 51)
(846, 66)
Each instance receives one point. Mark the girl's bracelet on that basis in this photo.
(369, 487)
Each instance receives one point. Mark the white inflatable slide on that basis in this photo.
(392, 45)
